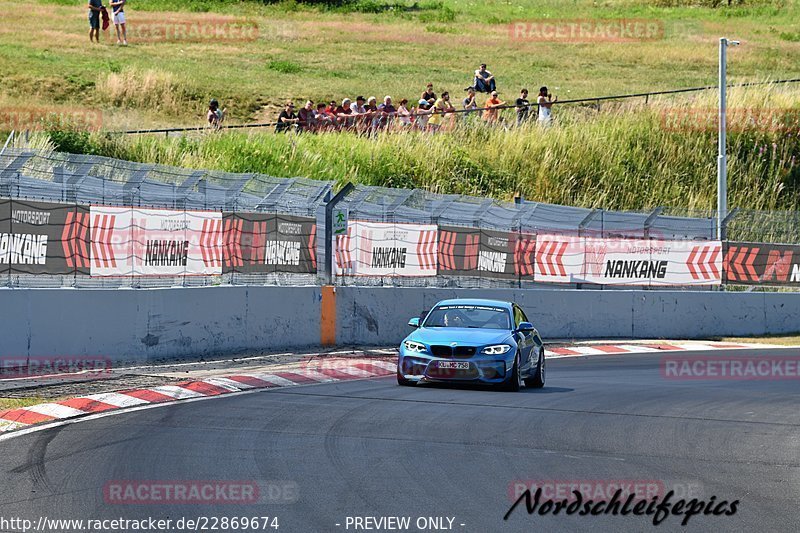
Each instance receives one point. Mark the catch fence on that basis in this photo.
(87, 221)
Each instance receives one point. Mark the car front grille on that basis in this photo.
(457, 351)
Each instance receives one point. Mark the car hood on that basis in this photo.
(463, 336)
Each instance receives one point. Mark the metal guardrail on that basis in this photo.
(91, 180)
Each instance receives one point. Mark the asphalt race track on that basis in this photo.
(324, 452)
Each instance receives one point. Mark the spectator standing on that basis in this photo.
(386, 112)
(287, 120)
(491, 114)
(95, 7)
(371, 119)
(215, 115)
(484, 80)
(404, 115)
(523, 107)
(545, 101)
(307, 118)
(359, 113)
(469, 103)
(118, 17)
(429, 95)
(423, 114)
(441, 110)
(324, 120)
(344, 114)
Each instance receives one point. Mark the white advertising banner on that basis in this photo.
(568, 259)
(138, 241)
(386, 249)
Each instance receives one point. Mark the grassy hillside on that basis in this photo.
(625, 158)
(621, 157)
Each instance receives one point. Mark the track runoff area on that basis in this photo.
(623, 437)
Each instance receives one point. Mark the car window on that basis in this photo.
(468, 316)
(518, 316)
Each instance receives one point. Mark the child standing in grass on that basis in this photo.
(95, 7)
(118, 16)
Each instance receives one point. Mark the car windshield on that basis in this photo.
(468, 316)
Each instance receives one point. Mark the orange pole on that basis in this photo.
(327, 319)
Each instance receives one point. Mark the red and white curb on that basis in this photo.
(321, 371)
(654, 347)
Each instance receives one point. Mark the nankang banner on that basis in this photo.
(43, 238)
(749, 263)
(262, 242)
(484, 253)
(386, 249)
(570, 259)
(138, 241)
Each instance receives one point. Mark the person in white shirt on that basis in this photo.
(545, 101)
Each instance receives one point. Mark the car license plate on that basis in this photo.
(454, 365)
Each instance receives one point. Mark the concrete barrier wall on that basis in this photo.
(151, 324)
(379, 315)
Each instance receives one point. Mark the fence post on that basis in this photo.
(329, 230)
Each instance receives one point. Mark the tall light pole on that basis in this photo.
(722, 157)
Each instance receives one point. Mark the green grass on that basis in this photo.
(14, 403)
(627, 158)
(308, 50)
(783, 340)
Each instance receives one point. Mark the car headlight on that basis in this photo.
(415, 347)
(497, 349)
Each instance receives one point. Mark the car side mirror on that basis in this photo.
(525, 327)
(414, 322)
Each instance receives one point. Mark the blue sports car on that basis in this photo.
(479, 341)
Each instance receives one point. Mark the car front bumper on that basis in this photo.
(481, 368)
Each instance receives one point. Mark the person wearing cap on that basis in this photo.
(484, 80)
(492, 113)
(429, 95)
(215, 115)
(287, 120)
(423, 114)
(545, 101)
(344, 113)
(359, 113)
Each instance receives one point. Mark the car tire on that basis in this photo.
(403, 381)
(537, 380)
(513, 382)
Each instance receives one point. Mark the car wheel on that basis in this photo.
(513, 381)
(537, 380)
(403, 381)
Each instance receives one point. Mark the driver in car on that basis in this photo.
(454, 319)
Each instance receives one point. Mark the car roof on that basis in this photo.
(476, 301)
